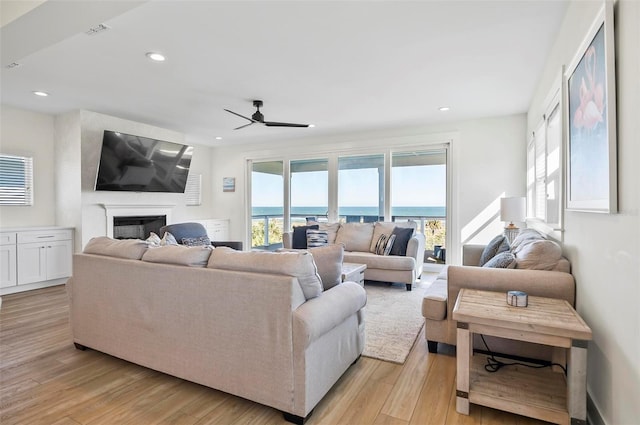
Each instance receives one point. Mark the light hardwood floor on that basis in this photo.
(45, 380)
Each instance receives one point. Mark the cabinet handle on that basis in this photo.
(46, 237)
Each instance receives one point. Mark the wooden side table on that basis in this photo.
(538, 393)
(353, 272)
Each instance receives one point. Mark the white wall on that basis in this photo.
(489, 160)
(604, 248)
(29, 133)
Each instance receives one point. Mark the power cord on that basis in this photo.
(494, 365)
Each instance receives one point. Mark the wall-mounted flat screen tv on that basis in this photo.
(140, 164)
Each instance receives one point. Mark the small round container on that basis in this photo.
(517, 298)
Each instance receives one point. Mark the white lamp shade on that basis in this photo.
(513, 209)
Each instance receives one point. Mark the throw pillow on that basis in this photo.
(330, 228)
(403, 234)
(389, 245)
(193, 256)
(299, 238)
(153, 239)
(538, 255)
(504, 260)
(381, 243)
(316, 238)
(131, 249)
(201, 241)
(380, 228)
(496, 246)
(168, 239)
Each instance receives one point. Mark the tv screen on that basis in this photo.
(140, 164)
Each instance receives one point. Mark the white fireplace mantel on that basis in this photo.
(128, 210)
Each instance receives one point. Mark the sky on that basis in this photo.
(422, 186)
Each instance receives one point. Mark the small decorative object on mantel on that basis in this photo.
(512, 209)
(228, 184)
(517, 298)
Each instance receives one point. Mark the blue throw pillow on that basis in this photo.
(504, 260)
(403, 234)
(299, 238)
(496, 246)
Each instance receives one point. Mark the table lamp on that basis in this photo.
(512, 209)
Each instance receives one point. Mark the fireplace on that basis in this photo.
(137, 227)
(115, 212)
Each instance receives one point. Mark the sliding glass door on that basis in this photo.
(267, 204)
(309, 180)
(361, 188)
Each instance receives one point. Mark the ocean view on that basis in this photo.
(360, 211)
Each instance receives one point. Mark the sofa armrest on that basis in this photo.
(319, 315)
(415, 249)
(539, 283)
(471, 254)
(286, 239)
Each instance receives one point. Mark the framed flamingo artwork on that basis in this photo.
(591, 117)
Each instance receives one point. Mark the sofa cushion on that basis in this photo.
(538, 255)
(386, 228)
(316, 238)
(328, 260)
(132, 249)
(504, 260)
(355, 236)
(402, 234)
(298, 264)
(299, 238)
(496, 246)
(193, 256)
(386, 262)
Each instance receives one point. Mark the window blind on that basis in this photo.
(16, 180)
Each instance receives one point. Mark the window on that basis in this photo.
(16, 180)
(544, 168)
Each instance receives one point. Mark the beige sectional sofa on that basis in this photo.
(360, 240)
(547, 274)
(259, 325)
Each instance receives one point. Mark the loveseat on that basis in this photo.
(402, 264)
(537, 268)
(259, 325)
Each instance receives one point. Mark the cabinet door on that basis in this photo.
(59, 254)
(32, 262)
(7, 266)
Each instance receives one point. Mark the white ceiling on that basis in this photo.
(342, 65)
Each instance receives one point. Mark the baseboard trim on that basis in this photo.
(593, 414)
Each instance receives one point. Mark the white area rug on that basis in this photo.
(393, 319)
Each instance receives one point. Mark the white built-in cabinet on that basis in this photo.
(35, 258)
(217, 228)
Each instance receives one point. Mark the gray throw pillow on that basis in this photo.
(504, 260)
(317, 238)
(496, 246)
(201, 241)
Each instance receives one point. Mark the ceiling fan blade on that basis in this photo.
(283, 124)
(241, 116)
(243, 126)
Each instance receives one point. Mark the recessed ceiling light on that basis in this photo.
(444, 108)
(154, 56)
(41, 93)
(218, 138)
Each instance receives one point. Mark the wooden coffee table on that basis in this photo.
(538, 393)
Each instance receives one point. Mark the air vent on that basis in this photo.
(97, 29)
(13, 65)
